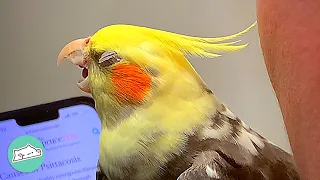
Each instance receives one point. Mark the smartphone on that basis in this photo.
(52, 141)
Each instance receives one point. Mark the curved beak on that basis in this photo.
(73, 51)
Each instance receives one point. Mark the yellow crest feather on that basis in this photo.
(115, 36)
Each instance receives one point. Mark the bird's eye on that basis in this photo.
(108, 58)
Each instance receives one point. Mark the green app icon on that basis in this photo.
(26, 154)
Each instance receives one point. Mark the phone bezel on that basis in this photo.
(44, 112)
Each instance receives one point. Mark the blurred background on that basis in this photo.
(34, 31)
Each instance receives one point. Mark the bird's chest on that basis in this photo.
(123, 154)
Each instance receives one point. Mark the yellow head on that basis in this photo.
(130, 63)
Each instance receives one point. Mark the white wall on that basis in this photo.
(33, 32)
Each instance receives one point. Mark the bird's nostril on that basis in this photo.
(86, 42)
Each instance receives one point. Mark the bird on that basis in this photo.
(159, 118)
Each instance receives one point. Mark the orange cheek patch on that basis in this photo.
(131, 83)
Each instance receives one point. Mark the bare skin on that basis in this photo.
(290, 39)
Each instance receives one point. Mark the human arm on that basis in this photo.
(290, 39)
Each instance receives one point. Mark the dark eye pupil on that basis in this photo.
(108, 58)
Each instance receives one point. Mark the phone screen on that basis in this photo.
(70, 146)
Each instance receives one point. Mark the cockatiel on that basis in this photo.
(159, 119)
